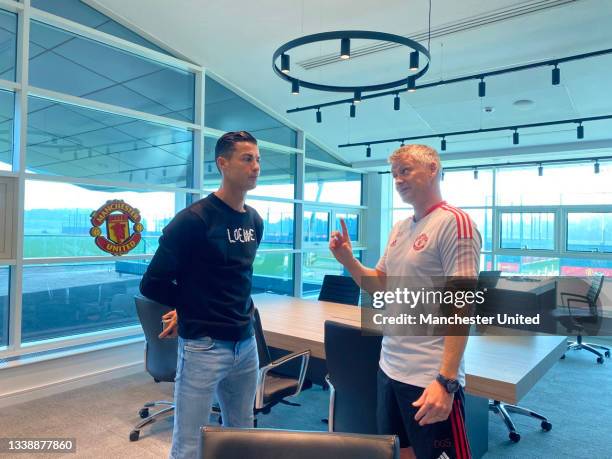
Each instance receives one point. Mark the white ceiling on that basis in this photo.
(236, 40)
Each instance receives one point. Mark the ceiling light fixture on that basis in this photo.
(319, 117)
(357, 96)
(368, 151)
(596, 167)
(518, 68)
(285, 63)
(352, 111)
(476, 131)
(345, 36)
(556, 75)
(414, 61)
(411, 85)
(580, 131)
(443, 144)
(295, 87)
(515, 137)
(345, 48)
(475, 173)
(482, 88)
(540, 170)
(396, 102)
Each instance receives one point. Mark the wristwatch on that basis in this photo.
(451, 385)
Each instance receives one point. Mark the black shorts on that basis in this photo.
(395, 415)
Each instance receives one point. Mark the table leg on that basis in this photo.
(477, 424)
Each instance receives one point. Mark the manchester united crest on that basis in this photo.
(420, 242)
(118, 217)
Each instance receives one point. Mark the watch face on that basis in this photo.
(452, 385)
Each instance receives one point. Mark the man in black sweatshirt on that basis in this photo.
(204, 268)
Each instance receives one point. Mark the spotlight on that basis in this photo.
(357, 96)
(515, 137)
(352, 111)
(414, 61)
(540, 170)
(482, 88)
(443, 144)
(319, 117)
(396, 102)
(368, 152)
(442, 175)
(475, 174)
(345, 48)
(556, 75)
(295, 87)
(580, 131)
(411, 84)
(402, 143)
(285, 63)
(596, 167)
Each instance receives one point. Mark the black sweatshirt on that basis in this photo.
(203, 267)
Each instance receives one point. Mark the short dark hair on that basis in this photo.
(225, 144)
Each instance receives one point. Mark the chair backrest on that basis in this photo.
(595, 289)
(339, 289)
(262, 348)
(160, 354)
(228, 443)
(488, 279)
(352, 364)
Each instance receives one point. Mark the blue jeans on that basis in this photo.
(205, 367)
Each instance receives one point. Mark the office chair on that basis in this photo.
(223, 443)
(585, 316)
(339, 289)
(488, 280)
(160, 358)
(352, 362)
(273, 387)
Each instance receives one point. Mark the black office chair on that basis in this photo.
(160, 358)
(488, 280)
(352, 363)
(273, 387)
(582, 313)
(339, 289)
(223, 443)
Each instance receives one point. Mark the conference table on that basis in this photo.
(501, 368)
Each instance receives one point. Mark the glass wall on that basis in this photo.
(4, 305)
(536, 225)
(108, 122)
(8, 50)
(7, 107)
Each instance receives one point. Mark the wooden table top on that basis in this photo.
(497, 367)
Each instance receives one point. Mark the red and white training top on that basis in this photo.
(444, 242)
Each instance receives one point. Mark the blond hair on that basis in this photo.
(424, 154)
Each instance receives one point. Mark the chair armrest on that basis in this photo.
(304, 355)
(575, 295)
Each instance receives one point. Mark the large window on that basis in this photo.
(67, 63)
(57, 218)
(589, 232)
(77, 11)
(78, 142)
(331, 185)
(4, 303)
(68, 299)
(7, 101)
(8, 32)
(528, 230)
(278, 220)
(227, 111)
(313, 151)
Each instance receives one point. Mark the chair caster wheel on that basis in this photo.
(600, 360)
(563, 356)
(255, 422)
(607, 354)
(134, 434)
(514, 437)
(546, 426)
(144, 413)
